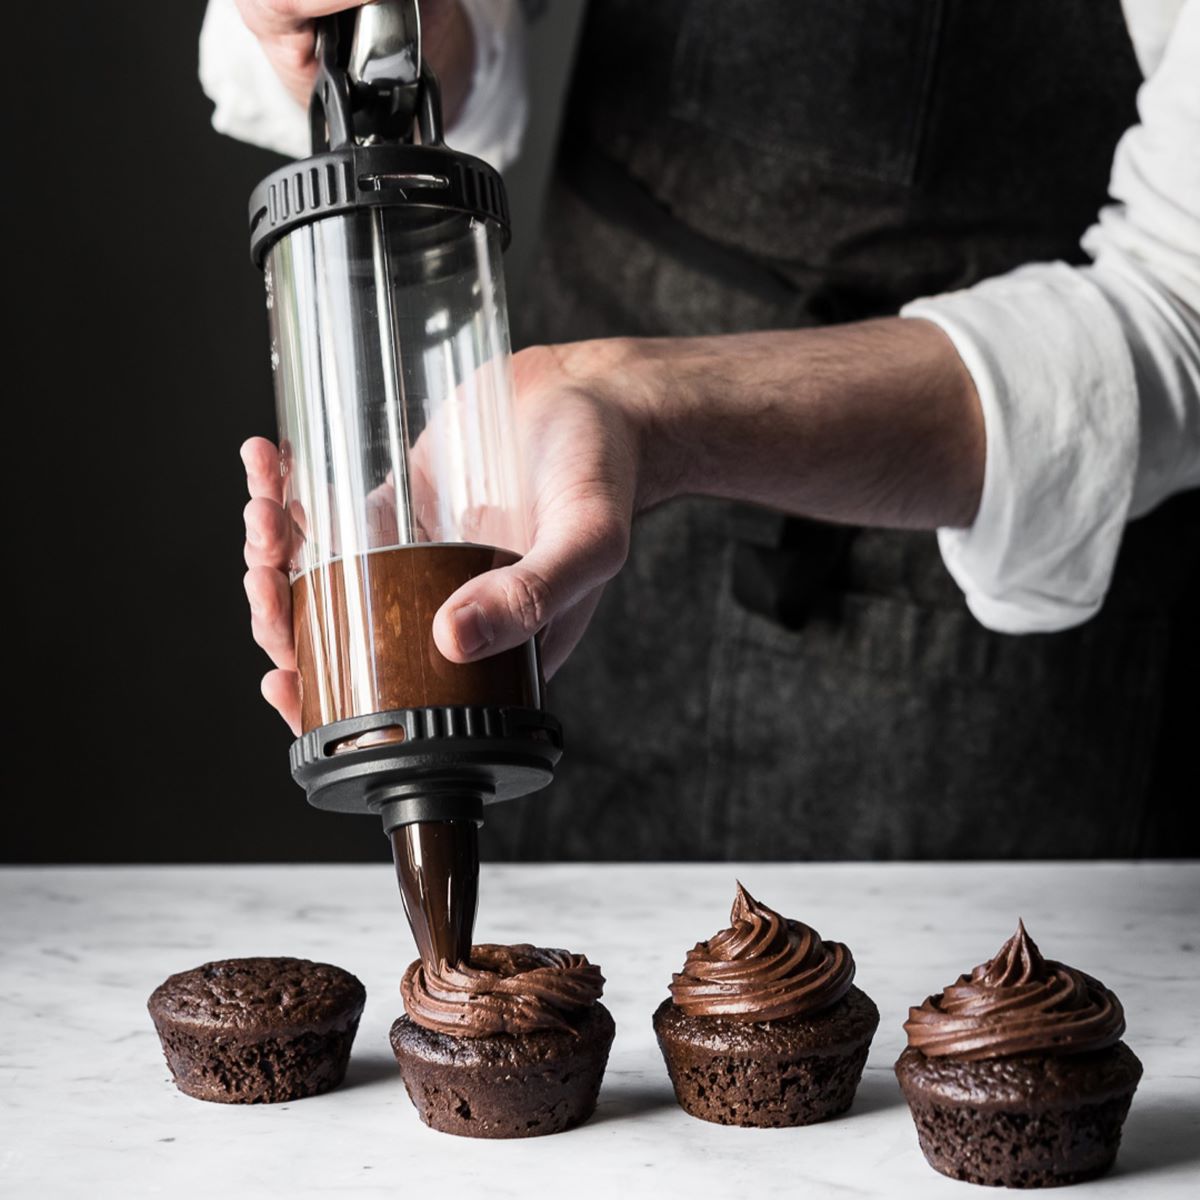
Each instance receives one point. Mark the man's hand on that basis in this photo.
(874, 424)
(579, 445)
(286, 32)
(578, 427)
(269, 547)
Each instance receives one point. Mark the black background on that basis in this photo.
(138, 365)
(136, 350)
(139, 731)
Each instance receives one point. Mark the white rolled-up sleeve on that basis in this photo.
(1089, 377)
(252, 105)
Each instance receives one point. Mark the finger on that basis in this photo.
(562, 635)
(275, 18)
(293, 58)
(382, 524)
(424, 493)
(281, 690)
(271, 614)
(501, 609)
(268, 535)
(261, 460)
(299, 522)
(285, 31)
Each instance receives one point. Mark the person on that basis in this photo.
(927, 581)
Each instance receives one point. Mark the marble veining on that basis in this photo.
(87, 1107)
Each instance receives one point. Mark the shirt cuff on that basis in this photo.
(252, 105)
(1057, 388)
(492, 122)
(250, 102)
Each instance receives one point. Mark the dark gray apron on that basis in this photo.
(755, 686)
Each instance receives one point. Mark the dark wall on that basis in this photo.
(137, 354)
(140, 350)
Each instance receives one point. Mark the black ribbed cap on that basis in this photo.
(384, 176)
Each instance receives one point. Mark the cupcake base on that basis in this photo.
(796, 1071)
(257, 1030)
(507, 1086)
(259, 1072)
(1021, 1122)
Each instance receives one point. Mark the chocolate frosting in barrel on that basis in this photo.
(503, 989)
(1019, 1003)
(762, 968)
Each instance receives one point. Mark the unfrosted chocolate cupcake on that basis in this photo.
(764, 1026)
(513, 1044)
(1016, 1075)
(258, 1030)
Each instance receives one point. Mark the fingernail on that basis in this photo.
(472, 629)
(253, 536)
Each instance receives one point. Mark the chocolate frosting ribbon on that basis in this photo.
(762, 968)
(1019, 1003)
(503, 989)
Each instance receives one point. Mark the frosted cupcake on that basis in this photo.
(764, 1026)
(1016, 1074)
(512, 1044)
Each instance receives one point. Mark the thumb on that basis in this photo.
(581, 549)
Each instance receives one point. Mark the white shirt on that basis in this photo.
(253, 106)
(1089, 377)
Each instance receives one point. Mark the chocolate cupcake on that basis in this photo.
(258, 1030)
(1016, 1075)
(513, 1044)
(764, 1026)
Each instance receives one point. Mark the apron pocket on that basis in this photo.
(893, 730)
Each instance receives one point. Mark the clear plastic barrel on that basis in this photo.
(402, 479)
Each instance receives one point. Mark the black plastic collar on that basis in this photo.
(384, 176)
(366, 155)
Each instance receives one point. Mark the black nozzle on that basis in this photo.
(438, 798)
(437, 867)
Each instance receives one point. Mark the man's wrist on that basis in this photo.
(875, 423)
(650, 381)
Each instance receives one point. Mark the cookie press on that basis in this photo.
(401, 470)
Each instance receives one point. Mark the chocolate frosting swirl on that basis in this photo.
(762, 968)
(1019, 1003)
(503, 989)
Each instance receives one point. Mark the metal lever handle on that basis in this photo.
(371, 84)
(386, 48)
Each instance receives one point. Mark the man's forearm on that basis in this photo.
(876, 423)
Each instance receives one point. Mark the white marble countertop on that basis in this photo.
(87, 1106)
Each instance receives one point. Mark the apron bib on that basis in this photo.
(755, 686)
